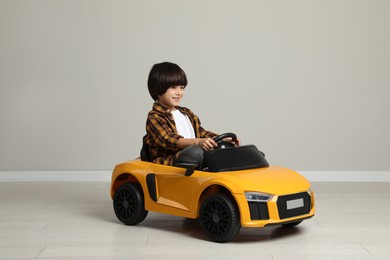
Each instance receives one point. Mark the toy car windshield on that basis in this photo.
(235, 158)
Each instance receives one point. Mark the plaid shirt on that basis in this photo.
(161, 134)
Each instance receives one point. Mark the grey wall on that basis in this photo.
(306, 81)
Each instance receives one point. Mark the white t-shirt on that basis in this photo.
(183, 124)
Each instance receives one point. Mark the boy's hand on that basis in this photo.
(230, 140)
(207, 143)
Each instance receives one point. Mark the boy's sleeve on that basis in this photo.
(207, 134)
(202, 132)
(162, 135)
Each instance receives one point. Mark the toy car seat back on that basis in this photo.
(235, 158)
(145, 153)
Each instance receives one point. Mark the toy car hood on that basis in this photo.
(274, 180)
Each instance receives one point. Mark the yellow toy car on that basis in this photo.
(238, 188)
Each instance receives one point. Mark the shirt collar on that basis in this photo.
(165, 110)
(161, 108)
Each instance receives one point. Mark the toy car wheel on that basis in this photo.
(129, 204)
(292, 224)
(219, 218)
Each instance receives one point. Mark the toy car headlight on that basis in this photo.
(257, 196)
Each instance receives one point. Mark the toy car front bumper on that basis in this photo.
(279, 210)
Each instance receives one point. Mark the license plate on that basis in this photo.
(293, 204)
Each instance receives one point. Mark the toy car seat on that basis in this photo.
(145, 153)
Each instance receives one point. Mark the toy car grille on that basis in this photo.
(258, 210)
(294, 205)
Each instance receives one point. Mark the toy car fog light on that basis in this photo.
(257, 196)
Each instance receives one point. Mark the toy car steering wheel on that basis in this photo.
(223, 144)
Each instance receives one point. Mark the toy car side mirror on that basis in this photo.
(190, 167)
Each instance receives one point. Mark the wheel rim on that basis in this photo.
(216, 219)
(125, 204)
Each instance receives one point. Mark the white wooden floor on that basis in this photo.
(75, 220)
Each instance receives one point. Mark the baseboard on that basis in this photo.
(28, 176)
(347, 176)
(105, 176)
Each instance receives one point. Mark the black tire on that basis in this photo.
(292, 224)
(219, 218)
(129, 204)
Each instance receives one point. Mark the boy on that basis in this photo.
(173, 131)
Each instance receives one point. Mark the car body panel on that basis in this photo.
(181, 195)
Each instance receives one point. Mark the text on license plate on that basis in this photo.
(293, 204)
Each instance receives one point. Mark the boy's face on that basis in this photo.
(172, 97)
